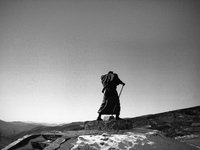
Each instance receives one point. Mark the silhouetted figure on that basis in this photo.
(110, 104)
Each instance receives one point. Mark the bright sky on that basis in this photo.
(52, 54)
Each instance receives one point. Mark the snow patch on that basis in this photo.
(115, 141)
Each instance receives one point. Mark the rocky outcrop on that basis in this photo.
(177, 123)
(112, 125)
(174, 123)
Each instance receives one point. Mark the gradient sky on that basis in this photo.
(52, 54)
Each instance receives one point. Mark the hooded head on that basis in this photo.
(110, 72)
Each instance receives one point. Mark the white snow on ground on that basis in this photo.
(115, 141)
(186, 137)
(190, 139)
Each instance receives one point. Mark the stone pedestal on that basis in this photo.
(112, 125)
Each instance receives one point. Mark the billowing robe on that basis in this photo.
(110, 104)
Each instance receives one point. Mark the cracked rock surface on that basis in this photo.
(94, 140)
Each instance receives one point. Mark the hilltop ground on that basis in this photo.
(178, 129)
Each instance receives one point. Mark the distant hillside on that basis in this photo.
(33, 123)
(74, 126)
(11, 128)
